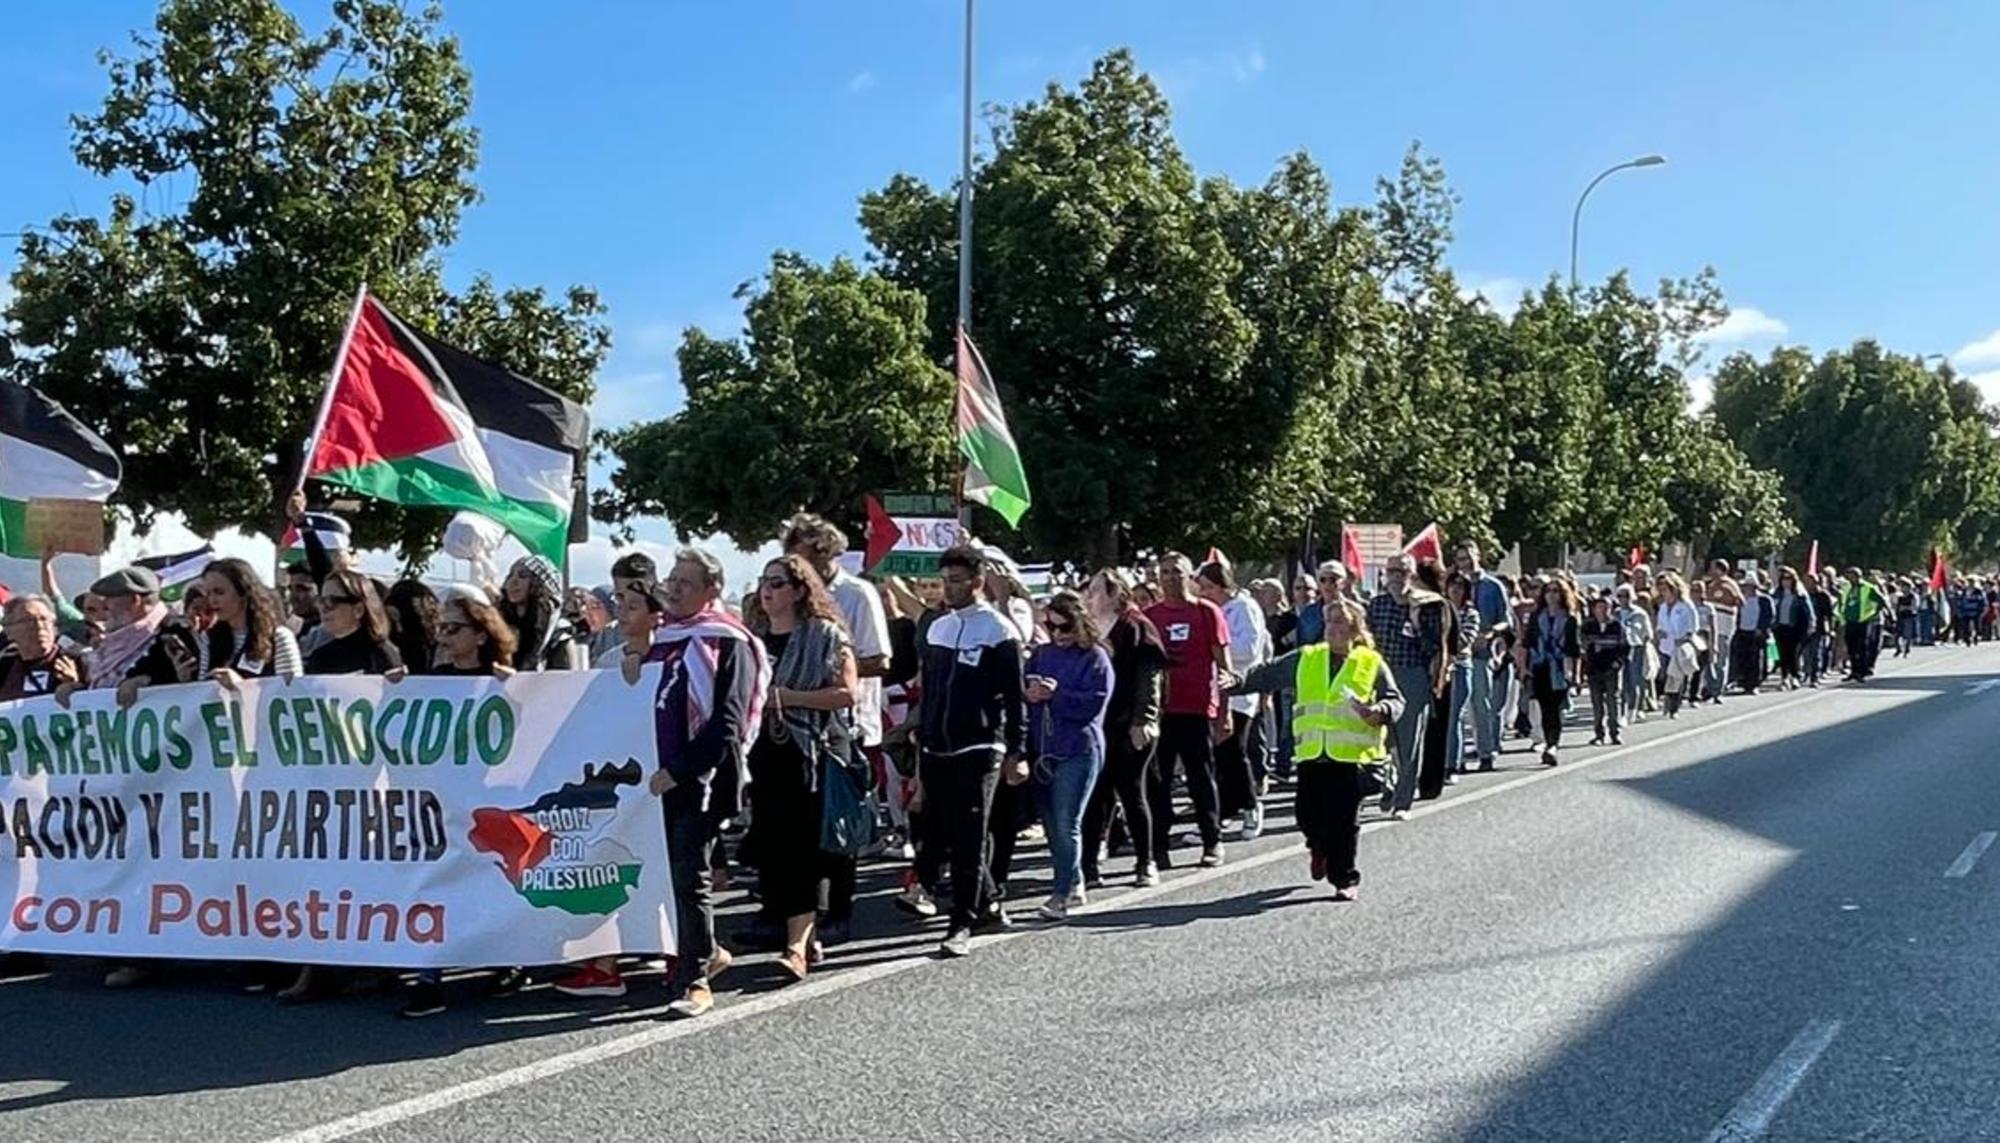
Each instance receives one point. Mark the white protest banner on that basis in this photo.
(431, 822)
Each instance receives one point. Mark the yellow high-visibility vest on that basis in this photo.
(1323, 724)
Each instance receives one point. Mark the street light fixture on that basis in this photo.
(1576, 219)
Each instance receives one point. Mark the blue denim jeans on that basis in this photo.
(1489, 704)
(1062, 788)
(1635, 683)
(1454, 731)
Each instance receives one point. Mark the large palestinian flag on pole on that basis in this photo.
(412, 420)
(993, 473)
(45, 454)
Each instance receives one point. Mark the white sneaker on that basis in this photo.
(1077, 898)
(917, 902)
(1054, 909)
(1253, 823)
(957, 942)
(1399, 815)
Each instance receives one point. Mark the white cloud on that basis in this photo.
(1503, 295)
(1980, 354)
(1744, 324)
(1701, 392)
(862, 81)
(1989, 384)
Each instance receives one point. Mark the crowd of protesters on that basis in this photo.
(934, 726)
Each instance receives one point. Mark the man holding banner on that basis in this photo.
(711, 700)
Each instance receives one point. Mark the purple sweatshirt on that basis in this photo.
(1071, 723)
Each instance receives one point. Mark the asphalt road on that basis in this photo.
(1773, 917)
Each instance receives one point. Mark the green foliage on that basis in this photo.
(1881, 458)
(195, 324)
(830, 394)
(1187, 364)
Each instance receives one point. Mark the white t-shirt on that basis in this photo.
(868, 628)
(1249, 644)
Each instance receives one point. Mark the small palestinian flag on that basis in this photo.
(412, 420)
(993, 473)
(333, 532)
(45, 454)
(178, 569)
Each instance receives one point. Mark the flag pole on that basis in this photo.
(964, 247)
(332, 381)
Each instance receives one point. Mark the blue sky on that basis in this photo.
(1826, 160)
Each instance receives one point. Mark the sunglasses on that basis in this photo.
(1060, 628)
(336, 600)
(774, 582)
(449, 627)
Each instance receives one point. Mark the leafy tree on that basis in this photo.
(829, 395)
(194, 324)
(1882, 458)
(1104, 311)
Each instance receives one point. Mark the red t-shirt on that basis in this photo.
(1191, 631)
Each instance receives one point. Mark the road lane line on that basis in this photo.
(1974, 850)
(1754, 1112)
(816, 986)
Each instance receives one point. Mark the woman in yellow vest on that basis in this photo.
(1346, 698)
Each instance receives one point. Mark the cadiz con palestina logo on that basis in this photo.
(557, 853)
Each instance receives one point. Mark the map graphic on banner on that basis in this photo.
(431, 822)
(555, 853)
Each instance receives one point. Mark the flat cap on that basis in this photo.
(127, 581)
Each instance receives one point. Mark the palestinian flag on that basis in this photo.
(45, 454)
(412, 420)
(177, 569)
(993, 473)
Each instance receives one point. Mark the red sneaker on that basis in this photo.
(1318, 867)
(592, 980)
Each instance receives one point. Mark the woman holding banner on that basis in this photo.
(357, 629)
(473, 642)
(246, 638)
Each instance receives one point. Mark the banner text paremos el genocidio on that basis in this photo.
(350, 820)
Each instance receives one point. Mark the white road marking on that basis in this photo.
(1974, 850)
(1982, 686)
(743, 1009)
(1754, 1112)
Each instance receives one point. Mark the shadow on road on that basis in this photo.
(1859, 926)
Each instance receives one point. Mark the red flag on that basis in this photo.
(1937, 570)
(1812, 561)
(1350, 550)
(1426, 543)
(883, 532)
(1636, 556)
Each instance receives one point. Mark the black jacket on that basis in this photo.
(708, 764)
(157, 664)
(1605, 648)
(972, 690)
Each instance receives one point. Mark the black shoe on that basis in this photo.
(508, 982)
(423, 998)
(1486, 764)
(995, 921)
(833, 934)
(1617, 741)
